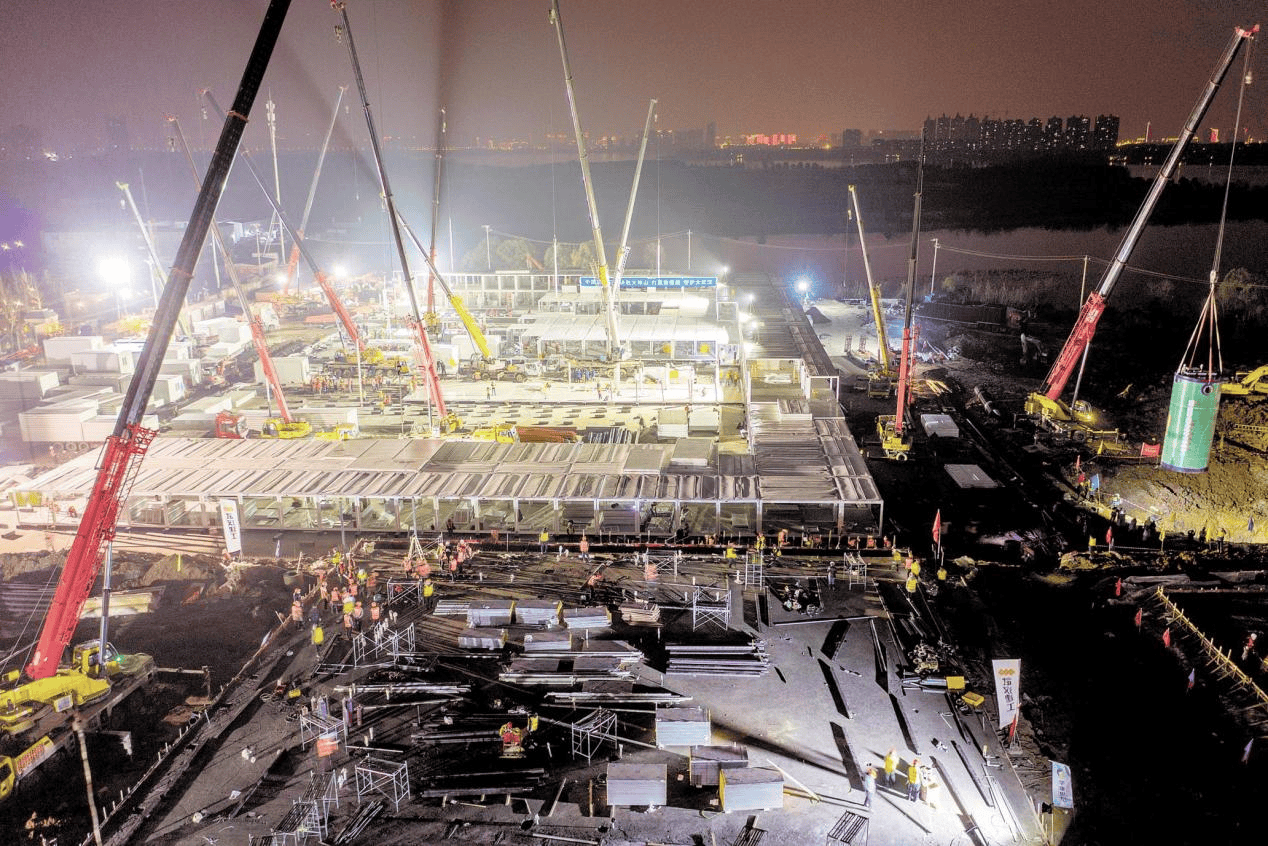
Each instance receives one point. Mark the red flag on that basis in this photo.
(1078, 463)
(1118, 587)
(937, 527)
(1140, 614)
(1109, 536)
(1192, 678)
(1166, 637)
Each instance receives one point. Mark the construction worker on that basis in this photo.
(543, 540)
(913, 780)
(429, 596)
(891, 765)
(942, 573)
(583, 548)
(912, 583)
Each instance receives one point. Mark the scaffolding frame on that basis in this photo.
(855, 570)
(388, 779)
(313, 725)
(663, 560)
(382, 643)
(591, 732)
(400, 590)
(755, 570)
(710, 605)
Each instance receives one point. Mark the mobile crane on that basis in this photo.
(88, 678)
(448, 422)
(285, 426)
(880, 380)
(893, 432)
(614, 351)
(1045, 405)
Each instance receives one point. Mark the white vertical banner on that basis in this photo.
(1007, 688)
(232, 528)
(1062, 786)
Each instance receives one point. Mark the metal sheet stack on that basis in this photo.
(538, 612)
(590, 617)
(717, 659)
(452, 608)
(637, 784)
(490, 612)
(751, 789)
(482, 638)
(547, 641)
(707, 762)
(686, 725)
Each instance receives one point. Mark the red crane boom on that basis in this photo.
(1085, 327)
(129, 441)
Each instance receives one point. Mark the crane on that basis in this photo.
(155, 263)
(121, 455)
(435, 215)
(448, 422)
(623, 250)
(880, 381)
(287, 426)
(600, 256)
(1045, 404)
(468, 321)
(336, 304)
(292, 264)
(895, 439)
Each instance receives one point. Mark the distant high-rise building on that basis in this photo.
(1105, 132)
(851, 138)
(1078, 132)
(1053, 134)
(711, 135)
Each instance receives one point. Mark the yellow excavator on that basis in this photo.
(1252, 384)
(36, 716)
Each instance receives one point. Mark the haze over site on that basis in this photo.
(810, 67)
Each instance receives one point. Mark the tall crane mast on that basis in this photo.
(292, 264)
(432, 380)
(323, 281)
(1047, 401)
(253, 319)
(904, 362)
(874, 291)
(623, 250)
(435, 214)
(120, 458)
(156, 264)
(600, 256)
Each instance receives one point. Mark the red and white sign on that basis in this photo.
(232, 528)
(1007, 689)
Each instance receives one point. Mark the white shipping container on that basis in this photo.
(107, 360)
(189, 369)
(116, 382)
(291, 370)
(29, 384)
(58, 350)
(169, 389)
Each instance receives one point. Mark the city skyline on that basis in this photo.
(801, 68)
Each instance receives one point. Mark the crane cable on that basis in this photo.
(1207, 326)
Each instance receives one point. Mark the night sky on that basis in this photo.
(810, 67)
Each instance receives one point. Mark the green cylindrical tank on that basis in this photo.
(1195, 403)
